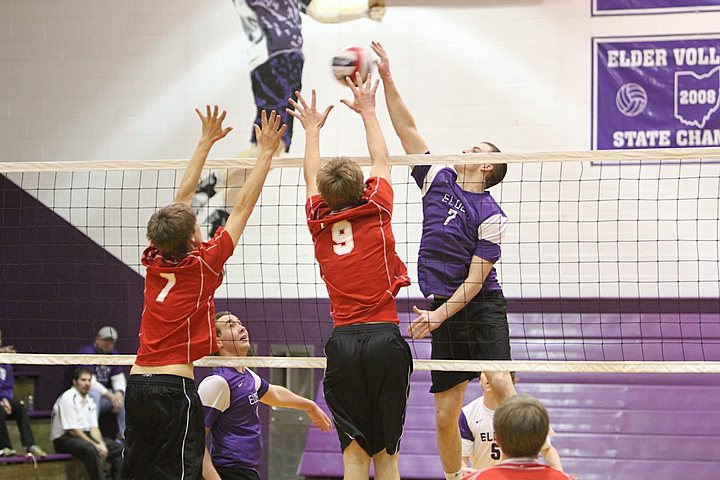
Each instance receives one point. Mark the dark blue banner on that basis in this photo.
(630, 7)
(656, 92)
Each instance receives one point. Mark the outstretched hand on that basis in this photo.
(269, 132)
(212, 129)
(308, 115)
(424, 323)
(364, 93)
(382, 63)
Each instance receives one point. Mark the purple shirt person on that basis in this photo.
(457, 225)
(230, 397)
(462, 230)
(108, 384)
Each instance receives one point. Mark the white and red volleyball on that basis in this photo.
(350, 60)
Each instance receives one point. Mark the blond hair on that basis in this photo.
(340, 182)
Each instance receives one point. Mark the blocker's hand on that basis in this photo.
(425, 322)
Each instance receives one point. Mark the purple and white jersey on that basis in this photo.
(272, 27)
(103, 373)
(457, 225)
(230, 399)
(7, 381)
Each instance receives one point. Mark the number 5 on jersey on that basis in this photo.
(342, 237)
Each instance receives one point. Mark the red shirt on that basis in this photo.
(178, 315)
(355, 248)
(519, 469)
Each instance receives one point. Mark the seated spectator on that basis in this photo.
(108, 384)
(75, 429)
(521, 425)
(479, 447)
(231, 413)
(13, 410)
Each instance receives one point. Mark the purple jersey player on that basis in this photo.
(462, 230)
(230, 397)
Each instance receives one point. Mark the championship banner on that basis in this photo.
(656, 92)
(636, 7)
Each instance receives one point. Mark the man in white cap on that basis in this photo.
(107, 387)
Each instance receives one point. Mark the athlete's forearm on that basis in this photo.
(311, 163)
(277, 396)
(401, 118)
(479, 270)
(190, 179)
(379, 156)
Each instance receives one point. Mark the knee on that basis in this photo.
(502, 384)
(382, 459)
(86, 452)
(447, 418)
(355, 456)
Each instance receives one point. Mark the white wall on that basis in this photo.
(96, 80)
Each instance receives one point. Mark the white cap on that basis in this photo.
(107, 332)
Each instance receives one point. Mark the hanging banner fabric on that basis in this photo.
(656, 92)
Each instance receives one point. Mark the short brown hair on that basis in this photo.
(340, 183)
(497, 174)
(170, 228)
(521, 425)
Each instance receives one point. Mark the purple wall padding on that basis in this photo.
(57, 287)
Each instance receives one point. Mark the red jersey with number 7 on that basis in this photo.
(177, 324)
(355, 249)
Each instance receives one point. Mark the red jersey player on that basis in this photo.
(368, 362)
(164, 432)
(521, 426)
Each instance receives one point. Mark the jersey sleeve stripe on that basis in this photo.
(493, 228)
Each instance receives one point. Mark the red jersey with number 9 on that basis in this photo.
(355, 248)
(177, 324)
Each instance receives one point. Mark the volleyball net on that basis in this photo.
(610, 262)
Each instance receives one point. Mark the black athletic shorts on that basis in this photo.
(366, 385)
(477, 332)
(237, 473)
(165, 431)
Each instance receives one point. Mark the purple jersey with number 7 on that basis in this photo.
(457, 225)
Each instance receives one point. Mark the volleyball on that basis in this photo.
(350, 60)
(631, 99)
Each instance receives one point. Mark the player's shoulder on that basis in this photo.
(214, 381)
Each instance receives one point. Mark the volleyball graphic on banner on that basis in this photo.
(631, 99)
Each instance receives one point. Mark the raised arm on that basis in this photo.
(312, 121)
(268, 138)
(364, 104)
(212, 131)
(402, 120)
(277, 396)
